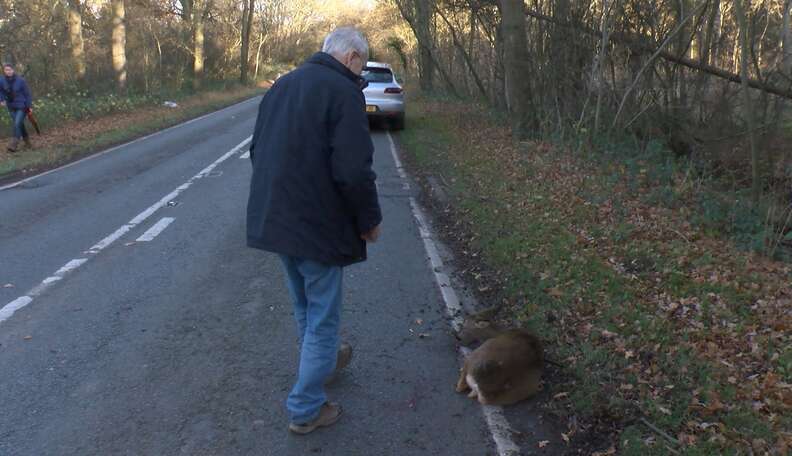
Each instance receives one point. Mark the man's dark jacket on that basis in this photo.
(313, 191)
(15, 92)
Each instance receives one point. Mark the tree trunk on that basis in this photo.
(423, 23)
(517, 67)
(786, 40)
(247, 28)
(598, 72)
(745, 45)
(706, 55)
(427, 47)
(76, 38)
(258, 55)
(119, 44)
(198, 46)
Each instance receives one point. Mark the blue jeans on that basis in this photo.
(316, 291)
(18, 120)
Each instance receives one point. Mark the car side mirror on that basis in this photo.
(400, 80)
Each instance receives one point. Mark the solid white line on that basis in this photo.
(496, 421)
(155, 230)
(106, 151)
(397, 161)
(9, 309)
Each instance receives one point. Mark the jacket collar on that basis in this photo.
(325, 59)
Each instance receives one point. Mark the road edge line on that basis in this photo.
(499, 427)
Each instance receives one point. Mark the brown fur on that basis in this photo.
(506, 368)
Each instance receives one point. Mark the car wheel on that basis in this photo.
(398, 123)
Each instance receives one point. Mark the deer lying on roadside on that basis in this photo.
(506, 368)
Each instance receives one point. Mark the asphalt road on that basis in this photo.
(184, 344)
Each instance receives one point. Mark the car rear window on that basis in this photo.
(377, 75)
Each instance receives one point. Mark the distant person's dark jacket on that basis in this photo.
(313, 191)
(15, 92)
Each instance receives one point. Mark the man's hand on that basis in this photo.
(372, 235)
(2, 103)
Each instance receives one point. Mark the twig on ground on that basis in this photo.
(660, 432)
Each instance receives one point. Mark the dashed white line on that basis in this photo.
(155, 230)
(70, 266)
(9, 309)
(13, 306)
(496, 421)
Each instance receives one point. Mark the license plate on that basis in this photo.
(371, 108)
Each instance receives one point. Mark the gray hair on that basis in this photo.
(345, 39)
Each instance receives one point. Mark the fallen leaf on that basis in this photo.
(565, 437)
(8, 285)
(543, 443)
(554, 292)
(28, 337)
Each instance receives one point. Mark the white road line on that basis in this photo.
(70, 266)
(13, 306)
(245, 155)
(397, 161)
(99, 154)
(496, 421)
(9, 309)
(155, 230)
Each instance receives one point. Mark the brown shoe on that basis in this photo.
(328, 415)
(344, 358)
(28, 144)
(12, 146)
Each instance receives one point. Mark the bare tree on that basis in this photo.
(249, 9)
(786, 40)
(76, 37)
(423, 20)
(745, 53)
(418, 14)
(517, 64)
(119, 43)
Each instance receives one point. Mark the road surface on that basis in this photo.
(135, 321)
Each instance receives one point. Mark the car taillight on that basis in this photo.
(393, 90)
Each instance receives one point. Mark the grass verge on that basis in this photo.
(69, 141)
(660, 324)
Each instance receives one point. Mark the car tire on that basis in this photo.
(397, 124)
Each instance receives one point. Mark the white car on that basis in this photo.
(384, 94)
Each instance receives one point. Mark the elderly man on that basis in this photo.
(313, 200)
(15, 94)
